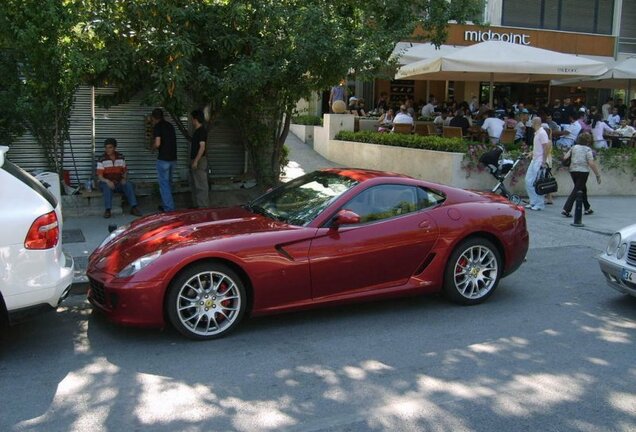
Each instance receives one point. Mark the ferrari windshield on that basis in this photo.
(301, 200)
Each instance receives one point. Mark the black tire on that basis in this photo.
(472, 272)
(200, 311)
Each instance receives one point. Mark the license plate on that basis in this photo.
(629, 276)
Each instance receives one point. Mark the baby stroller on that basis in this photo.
(500, 169)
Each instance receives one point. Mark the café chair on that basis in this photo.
(452, 132)
(507, 137)
(402, 128)
(421, 129)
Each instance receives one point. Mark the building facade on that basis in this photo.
(604, 30)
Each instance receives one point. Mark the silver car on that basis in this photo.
(618, 262)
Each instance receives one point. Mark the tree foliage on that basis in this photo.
(44, 52)
(253, 59)
(250, 60)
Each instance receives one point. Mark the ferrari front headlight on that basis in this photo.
(138, 264)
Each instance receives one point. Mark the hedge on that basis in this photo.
(455, 145)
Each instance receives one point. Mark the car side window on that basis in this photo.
(427, 198)
(383, 202)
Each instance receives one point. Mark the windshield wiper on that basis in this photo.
(262, 211)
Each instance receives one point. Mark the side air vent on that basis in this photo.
(425, 264)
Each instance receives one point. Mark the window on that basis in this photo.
(387, 201)
(585, 16)
(522, 13)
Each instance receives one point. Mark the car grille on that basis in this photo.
(97, 291)
(631, 254)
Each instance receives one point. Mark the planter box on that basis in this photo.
(445, 168)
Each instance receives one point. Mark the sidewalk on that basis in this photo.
(547, 228)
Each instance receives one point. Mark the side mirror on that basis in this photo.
(345, 217)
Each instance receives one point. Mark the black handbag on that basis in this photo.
(545, 182)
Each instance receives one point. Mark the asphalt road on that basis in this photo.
(552, 350)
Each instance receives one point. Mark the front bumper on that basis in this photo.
(134, 304)
(613, 271)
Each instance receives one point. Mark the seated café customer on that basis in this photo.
(443, 119)
(111, 173)
(599, 130)
(572, 131)
(493, 126)
(403, 117)
(520, 127)
(385, 121)
(460, 121)
(625, 130)
(582, 119)
(353, 107)
(614, 119)
(551, 123)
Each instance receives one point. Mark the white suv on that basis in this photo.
(34, 272)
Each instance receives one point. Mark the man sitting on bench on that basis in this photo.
(111, 172)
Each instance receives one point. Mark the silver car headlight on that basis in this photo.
(138, 264)
(622, 249)
(614, 242)
(114, 234)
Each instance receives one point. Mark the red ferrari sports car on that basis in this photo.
(326, 238)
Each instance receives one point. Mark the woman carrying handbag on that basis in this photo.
(538, 162)
(582, 160)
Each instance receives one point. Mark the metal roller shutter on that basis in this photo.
(226, 154)
(28, 154)
(127, 124)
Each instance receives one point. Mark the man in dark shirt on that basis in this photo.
(199, 162)
(567, 110)
(460, 121)
(165, 141)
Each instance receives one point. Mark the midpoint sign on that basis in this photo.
(482, 36)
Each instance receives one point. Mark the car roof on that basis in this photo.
(360, 175)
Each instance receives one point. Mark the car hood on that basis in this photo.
(628, 232)
(167, 231)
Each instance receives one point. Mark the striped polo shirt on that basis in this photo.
(112, 169)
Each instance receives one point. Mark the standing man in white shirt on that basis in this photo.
(539, 159)
(493, 126)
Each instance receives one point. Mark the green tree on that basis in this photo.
(253, 59)
(44, 58)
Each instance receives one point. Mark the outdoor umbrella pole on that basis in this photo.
(492, 90)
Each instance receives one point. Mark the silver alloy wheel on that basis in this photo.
(475, 272)
(208, 303)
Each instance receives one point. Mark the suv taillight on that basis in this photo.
(44, 232)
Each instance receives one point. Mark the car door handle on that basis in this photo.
(425, 224)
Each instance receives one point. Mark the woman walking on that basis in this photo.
(582, 160)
